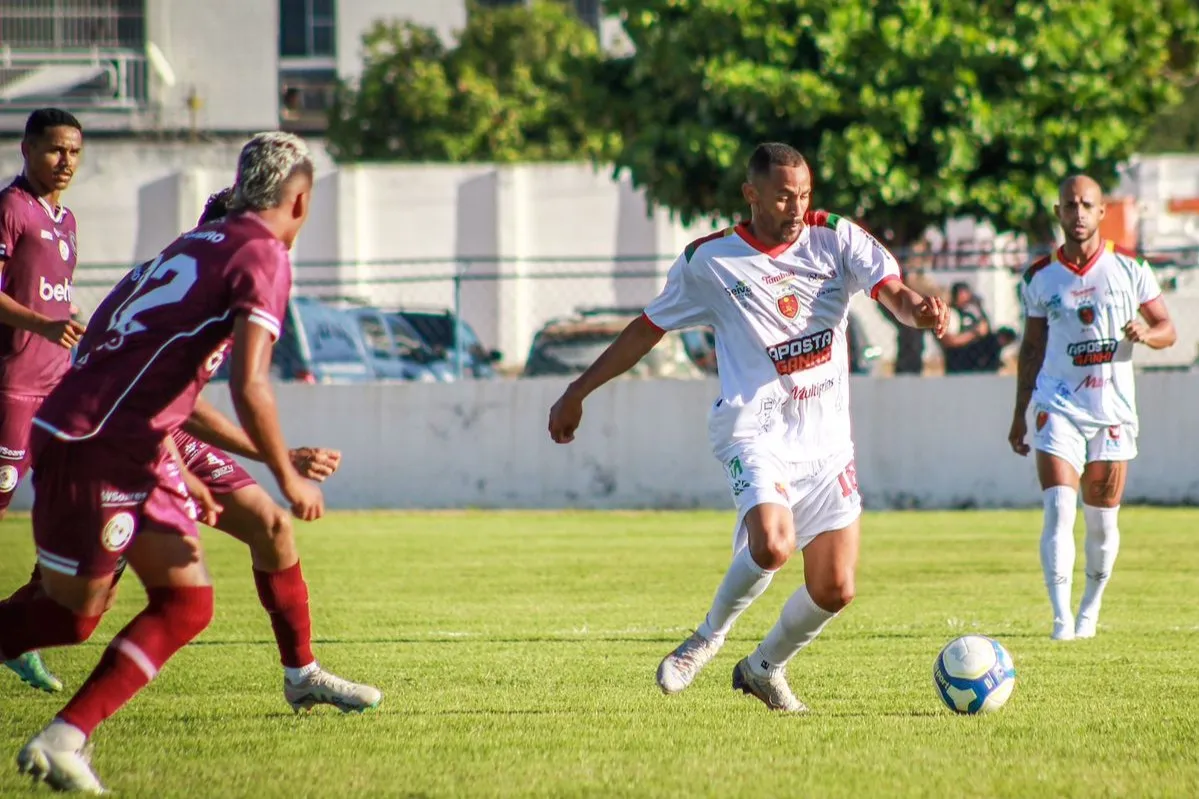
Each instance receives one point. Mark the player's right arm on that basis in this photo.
(64, 332)
(1032, 357)
(254, 401)
(679, 305)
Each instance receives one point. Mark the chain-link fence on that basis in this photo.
(553, 316)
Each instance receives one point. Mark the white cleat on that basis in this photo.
(678, 669)
(63, 769)
(773, 690)
(1063, 630)
(1086, 627)
(324, 688)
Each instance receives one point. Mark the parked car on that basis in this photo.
(396, 351)
(318, 344)
(436, 328)
(569, 345)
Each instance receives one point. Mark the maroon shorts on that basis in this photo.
(16, 420)
(91, 498)
(215, 467)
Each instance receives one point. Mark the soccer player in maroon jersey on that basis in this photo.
(37, 263)
(106, 482)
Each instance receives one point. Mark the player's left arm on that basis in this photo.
(1155, 329)
(216, 429)
(875, 269)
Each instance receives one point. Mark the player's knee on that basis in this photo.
(835, 593)
(773, 551)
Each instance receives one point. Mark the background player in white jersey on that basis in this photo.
(776, 290)
(1085, 307)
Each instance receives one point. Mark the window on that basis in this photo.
(307, 29)
(73, 24)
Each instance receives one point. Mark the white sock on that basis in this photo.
(798, 625)
(295, 675)
(742, 584)
(63, 736)
(1102, 545)
(1057, 548)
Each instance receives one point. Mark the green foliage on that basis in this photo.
(508, 91)
(910, 111)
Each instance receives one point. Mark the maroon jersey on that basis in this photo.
(37, 262)
(155, 341)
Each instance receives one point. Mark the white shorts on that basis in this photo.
(822, 495)
(1079, 444)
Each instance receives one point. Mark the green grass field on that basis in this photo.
(517, 654)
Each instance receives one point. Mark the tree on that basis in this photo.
(508, 91)
(911, 111)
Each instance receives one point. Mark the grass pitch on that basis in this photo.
(517, 654)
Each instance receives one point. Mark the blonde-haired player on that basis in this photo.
(1085, 307)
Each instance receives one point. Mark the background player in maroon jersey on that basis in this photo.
(106, 485)
(248, 513)
(37, 263)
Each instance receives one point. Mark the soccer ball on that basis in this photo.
(974, 674)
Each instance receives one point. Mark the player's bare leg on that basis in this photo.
(179, 591)
(1059, 486)
(830, 564)
(771, 534)
(1102, 491)
(252, 517)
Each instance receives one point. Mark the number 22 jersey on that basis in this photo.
(158, 337)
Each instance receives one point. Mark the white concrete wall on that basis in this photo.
(921, 442)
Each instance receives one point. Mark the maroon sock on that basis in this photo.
(31, 620)
(173, 617)
(284, 596)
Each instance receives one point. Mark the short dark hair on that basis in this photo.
(771, 154)
(43, 119)
(217, 206)
(959, 286)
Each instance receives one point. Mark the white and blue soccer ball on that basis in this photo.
(974, 674)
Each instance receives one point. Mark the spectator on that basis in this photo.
(970, 345)
(909, 342)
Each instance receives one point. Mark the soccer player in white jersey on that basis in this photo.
(1085, 307)
(776, 290)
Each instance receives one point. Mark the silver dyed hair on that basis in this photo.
(266, 163)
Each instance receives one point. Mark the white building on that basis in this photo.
(207, 65)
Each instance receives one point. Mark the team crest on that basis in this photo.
(782, 489)
(118, 532)
(1042, 418)
(1114, 432)
(64, 249)
(788, 305)
(8, 478)
(1086, 314)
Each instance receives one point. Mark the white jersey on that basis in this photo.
(780, 316)
(1087, 373)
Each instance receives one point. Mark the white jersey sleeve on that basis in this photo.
(868, 262)
(1145, 283)
(682, 302)
(1034, 304)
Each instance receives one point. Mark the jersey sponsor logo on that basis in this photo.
(212, 236)
(12, 454)
(118, 532)
(788, 305)
(1094, 352)
(768, 412)
(8, 478)
(737, 479)
(782, 277)
(54, 292)
(1042, 420)
(110, 498)
(1092, 382)
(804, 352)
(801, 393)
(224, 471)
(1086, 314)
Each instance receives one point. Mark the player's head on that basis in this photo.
(778, 189)
(52, 145)
(960, 294)
(217, 206)
(274, 180)
(1079, 208)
